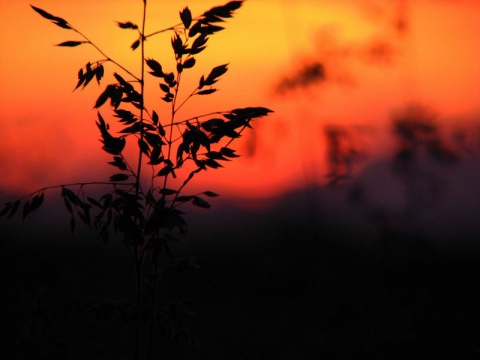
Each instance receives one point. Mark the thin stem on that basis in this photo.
(76, 184)
(142, 94)
(152, 320)
(187, 180)
(177, 87)
(162, 31)
(128, 165)
(139, 252)
(196, 117)
(184, 101)
(137, 298)
(108, 58)
(172, 122)
(240, 132)
(169, 28)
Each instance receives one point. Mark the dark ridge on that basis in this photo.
(293, 280)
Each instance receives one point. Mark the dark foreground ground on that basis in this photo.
(274, 284)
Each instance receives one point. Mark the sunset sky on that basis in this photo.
(378, 56)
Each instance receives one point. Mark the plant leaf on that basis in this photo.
(195, 29)
(111, 144)
(142, 144)
(36, 202)
(189, 63)
(210, 194)
(200, 41)
(105, 95)
(119, 177)
(155, 155)
(127, 25)
(128, 87)
(224, 11)
(62, 24)
(197, 50)
(89, 74)
(71, 43)
(210, 29)
(216, 72)
(94, 202)
(135, 44)
(118, 162)
(5, 209)
(201, 83)
(156, 68)
(43, 13)
(206, 92)
(99, 72)
(55, 19)
(165, 88)
(125, 116)
(165, 171)
(177, 45)
(70, 195)
(216, 155)
(198, 201)
(85, 217)
(186, 17)
(68, 205)
(135, 128)
(155, 117)
(14, 208)
(167, 191)
(170, 79)
(228, 152)
(153, 139)
(212, 163)
(81, 79)
(26, 209)
(161, 130)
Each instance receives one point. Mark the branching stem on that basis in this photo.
(108, 58)
(139, 251)
(81, 184)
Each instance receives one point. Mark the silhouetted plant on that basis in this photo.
(145, 210)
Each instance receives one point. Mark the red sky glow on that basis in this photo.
(378, 56)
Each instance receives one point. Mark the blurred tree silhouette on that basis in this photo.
(416, 132)
(344, 150)
(410, 176)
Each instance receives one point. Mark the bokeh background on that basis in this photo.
(349, 225)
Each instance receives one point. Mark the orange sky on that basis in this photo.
(49, 135)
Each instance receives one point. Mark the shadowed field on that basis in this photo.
(285, 282)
